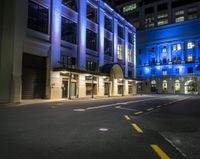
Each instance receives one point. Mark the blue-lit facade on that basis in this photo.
(65, 49)
(168, 58)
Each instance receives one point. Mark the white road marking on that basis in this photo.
(117, 104)
(103, 129)
(123, 108)
(79, 110)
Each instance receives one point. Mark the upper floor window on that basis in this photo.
(152, 50)
(180, 19)
(37, 17)
(192, 9)
(177, 71)
(91, 13)
(107, 47)
(130, 56)
(179, 12)
(120, 51)
(164, 49)
(163, 6)
(130, 38)
(129, 7)
(91, 65)
(162, 22)
(71, 4)
(108, 23)
(91, 40)
(190, 70)
(69, 31)
(176, 47)
(120, 31)
(139, 51)
(192, 16)
(161, 16)
(190, 45)
(149, 10)
(164, 72)
(190, 58)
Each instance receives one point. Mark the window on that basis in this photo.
(177, 86)
(140, 72)
(130, 38)
(164, 49)
(164, 72)
(161, 16)
(120, 52)
(149, 22)
(130, 56)
(190, 70)
(91, 65)
(153, 72)
(91, 89)
(192, 16)
(153, 61)
(69, 31)
(107, 47)
(37, 17)
(71, 4)
(108, 23)
(177, 71)
(190, 58)
(163, 6)
(162, 22)
(140, 62)
(180, 19)
(120, 31)
(180, 12)
(140, 51)
(192, 9)
(152, 50)
(164, 85)
(190, 45)
(176, 47)
(130, 74)
(91, 41)
(129, 8)
(91, 13)
(164, 61)
(149, 10)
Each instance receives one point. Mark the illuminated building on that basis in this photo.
(56, 49)
(168, 58)
(152, 13)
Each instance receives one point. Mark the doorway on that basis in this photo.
(65, 88)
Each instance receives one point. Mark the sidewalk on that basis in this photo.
(40, 101)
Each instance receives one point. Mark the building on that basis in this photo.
(152, 13)
(56, 49)
(168, 58)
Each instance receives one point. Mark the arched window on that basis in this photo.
(177, 86)
(164, 85)
(153, 86)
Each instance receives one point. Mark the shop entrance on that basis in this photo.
(65, 88)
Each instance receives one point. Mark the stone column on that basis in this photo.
(115, 39)
(13, 29)
(126, 51)
(170, 53)
(182, 52)
(197, 51)
(82, 22)
(56, 12)
(158, 55)
(101, 36)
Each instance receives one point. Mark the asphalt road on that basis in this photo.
(145, 127)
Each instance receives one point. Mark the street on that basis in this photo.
(135, 127)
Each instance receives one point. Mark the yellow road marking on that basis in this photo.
(150, 109)
(138, 113)
(137, 128)
(159, 152)
(127, 117)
